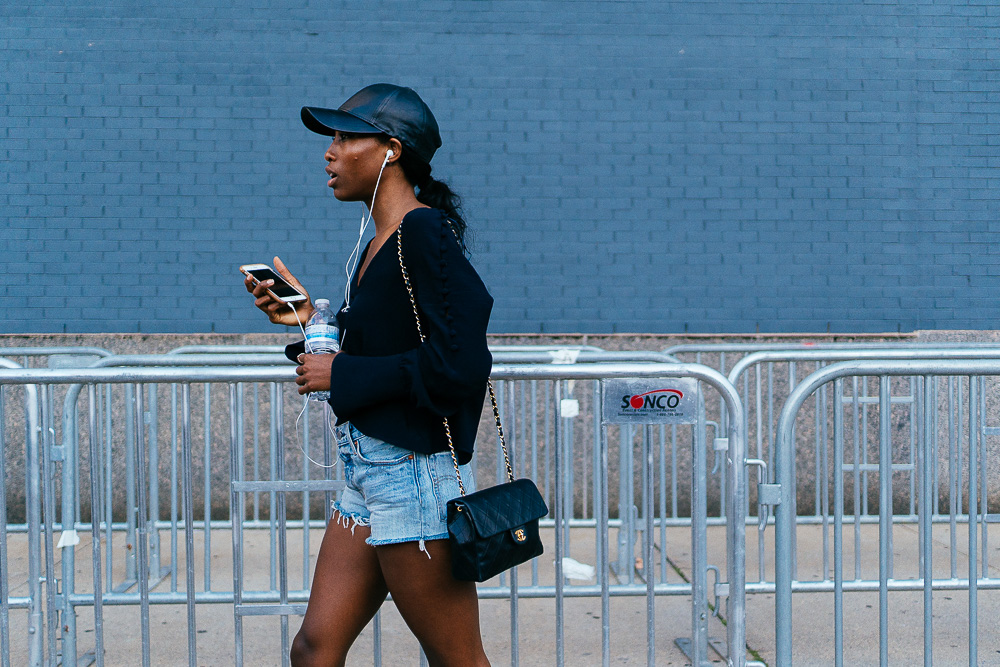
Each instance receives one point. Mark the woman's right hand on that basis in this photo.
(277, 311)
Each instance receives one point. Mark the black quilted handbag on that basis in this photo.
(494, 529)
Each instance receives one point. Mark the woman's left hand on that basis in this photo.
(314, 372)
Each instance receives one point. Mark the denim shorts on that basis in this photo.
(401, 494)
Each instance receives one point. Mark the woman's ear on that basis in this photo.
(397, 149)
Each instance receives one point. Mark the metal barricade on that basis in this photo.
(761, 418)
(147, 586)
(904, 472)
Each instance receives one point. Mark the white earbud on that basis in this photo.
(389, 154)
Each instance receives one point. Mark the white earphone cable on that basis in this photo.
(305, 404)
(355, 255)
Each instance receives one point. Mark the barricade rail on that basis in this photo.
(112, 395)
(814, 490)
(934, 477)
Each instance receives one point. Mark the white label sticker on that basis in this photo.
(69, 538)
(564, 356)
(569, 407)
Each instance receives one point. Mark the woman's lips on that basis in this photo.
(333, 178)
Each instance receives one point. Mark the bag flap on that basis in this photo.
(503, 507)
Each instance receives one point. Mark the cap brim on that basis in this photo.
(328, 121)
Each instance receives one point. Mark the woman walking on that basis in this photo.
(390, 391)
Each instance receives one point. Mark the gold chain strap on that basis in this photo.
(489, 383)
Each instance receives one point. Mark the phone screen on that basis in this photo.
(282, 289)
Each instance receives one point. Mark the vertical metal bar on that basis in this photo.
(175, 448)
(187, 494)
(49, 502)
(915, 421)
(818, 466)
(71, 441)
(784, 518)
(973, 519)
(926, 525)
(647, 564)
(856, 414)
(663, 502)
(936, 493)
(559, 518)
(207, 499)
(154, 480)
(4, 571)
(736, 533)
(534, 457)
(699, 542)
(548, 442)
(108, 488)
(960, 409)
(597, 485)
(141, 519)
(513, 445)
(256, 449)
(838, 522)
(95, 525)
(794, 498)
(825, 484)
(282, 527)
(759, 415)
(273, 456)
(983, 481)
(568, 465)
(884, 516)
(33, 510)
(624, 510)
(604, 568)
(130, 499)
(236, 516)
(953, 464)
(305, 494)
(377, 640)
(674, 481)
(864, 447)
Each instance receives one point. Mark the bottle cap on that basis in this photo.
(322, 302)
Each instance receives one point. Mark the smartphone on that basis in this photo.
(280, 290)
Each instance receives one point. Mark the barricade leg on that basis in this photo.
(4, 588)
(187, 497)
(141, 544)
(95, 529)
(49, 504)
(33, 502)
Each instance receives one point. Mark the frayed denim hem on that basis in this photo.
(421, 542)
(351, 521)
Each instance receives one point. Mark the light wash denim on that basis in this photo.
(401, 494)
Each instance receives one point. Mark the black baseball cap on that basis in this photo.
(381, 108)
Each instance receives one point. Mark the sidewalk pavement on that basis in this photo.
(812, 612)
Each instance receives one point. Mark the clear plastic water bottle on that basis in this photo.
(322, 337)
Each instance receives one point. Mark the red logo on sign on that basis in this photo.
(655, 399)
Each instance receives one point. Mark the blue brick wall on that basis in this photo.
(634, 166)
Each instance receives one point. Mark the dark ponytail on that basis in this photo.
(434, 193)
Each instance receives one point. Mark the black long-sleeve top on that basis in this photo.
(385, 381)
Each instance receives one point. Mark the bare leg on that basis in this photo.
(442, 612)
(347, 590)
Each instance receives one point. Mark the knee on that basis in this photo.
(301, 653)
(307, 652)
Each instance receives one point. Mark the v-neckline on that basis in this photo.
(365, 264)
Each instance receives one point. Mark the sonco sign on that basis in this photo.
(650, 401)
